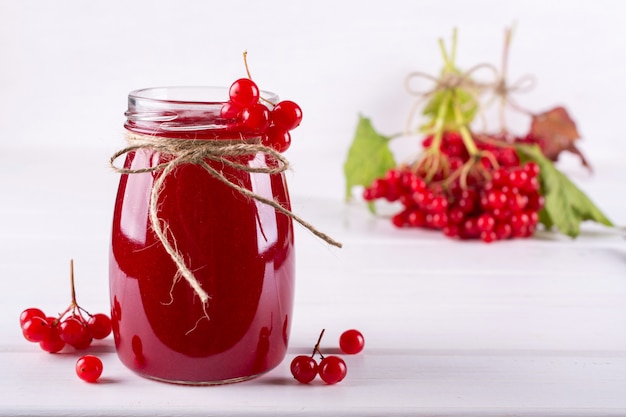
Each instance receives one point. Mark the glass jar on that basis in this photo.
(239, 250)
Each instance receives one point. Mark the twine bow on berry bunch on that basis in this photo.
(459, 88)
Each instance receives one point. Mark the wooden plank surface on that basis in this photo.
(521, 328)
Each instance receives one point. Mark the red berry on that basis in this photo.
(393, 175)
(29, 313)
(437, 220)
(456, 215)
(417, 184)
(379, 187)
(230, 110)
(36, 329)
(499, 177)
(533, 217)
(399, 220)
(89, 368)
(519, 219)
(255, 118)
(99, 325)
(535, 202)
(488, 236)
(244, 92)
(73, 331)
(508, 157)
(485, 222)
(515, 201)
(52, 343)
(368, 194)
(532, 169)
(467, 201)
(304, 369)
(276, 138)
(423, 198)
(332, 369)
(84, 342)
(532, 185)
(438, 204)
(470, 229)
(503, 230)
(416, 218)
(287, 115)
(518, 178)
(494, 199)
(452, 230)
(351, 341)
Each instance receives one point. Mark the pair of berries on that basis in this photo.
(331, 369)
(251, 114)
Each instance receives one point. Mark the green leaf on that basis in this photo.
(369, 157)
(566, 205)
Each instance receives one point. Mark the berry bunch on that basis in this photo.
(331, 369)
(488, 195)
(250, 113)
(75, 327)
(471, 183)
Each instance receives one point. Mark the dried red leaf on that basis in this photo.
(555, 132)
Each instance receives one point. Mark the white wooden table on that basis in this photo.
(520, 328)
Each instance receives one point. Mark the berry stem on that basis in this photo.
(466, 136)
(440, 121)
(245, 63)
(74, 308)
(502, 80)
(316, 348)
(453, 48)
(430, 162)
(449, 60)
(446, 60)
(73, 289)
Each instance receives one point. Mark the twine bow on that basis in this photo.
(448, 81)
(452, 80)
(197, 152)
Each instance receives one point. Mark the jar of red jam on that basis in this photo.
(233, 323)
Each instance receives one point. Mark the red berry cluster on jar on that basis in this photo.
(249, 112)
(75, 327)
(331, 369)
(489, 195)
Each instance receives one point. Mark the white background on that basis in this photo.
(67, 66)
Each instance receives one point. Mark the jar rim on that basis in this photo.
(189, 95)
(186, 111)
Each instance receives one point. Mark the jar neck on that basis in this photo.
(184, 113)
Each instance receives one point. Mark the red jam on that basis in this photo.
(240, 250)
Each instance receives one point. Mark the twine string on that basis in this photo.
(449, 80)
(197, 152)
(452, 80)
